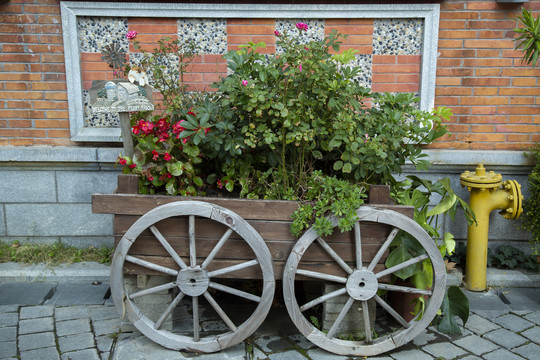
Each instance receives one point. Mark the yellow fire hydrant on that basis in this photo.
(488, 193)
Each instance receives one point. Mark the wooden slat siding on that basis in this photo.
(128, 184)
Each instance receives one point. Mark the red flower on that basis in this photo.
(155, 155)
(132, 166)
(147, 127)
(167, 157)
(151, 178)
(163, 137)
(206, 131)
(122, 161)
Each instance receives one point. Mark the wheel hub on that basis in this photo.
(192, 281)
(362, 285)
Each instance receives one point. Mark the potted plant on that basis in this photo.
(298, 131)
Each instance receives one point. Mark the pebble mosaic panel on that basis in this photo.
(170, 64)
(209, 34)
(390, 37)
(95, 33)
(398, 36)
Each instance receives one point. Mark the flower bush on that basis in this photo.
(278, 127)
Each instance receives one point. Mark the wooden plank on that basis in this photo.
(379, 194)
(128, 184)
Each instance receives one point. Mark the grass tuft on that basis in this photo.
(52, 254)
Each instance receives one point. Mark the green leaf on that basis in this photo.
(445, 204)
(455, 303)
(338, 165)
(450, 243)
(176, 168)
(171, 188)
(347, 168)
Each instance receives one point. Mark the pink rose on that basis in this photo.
(244, 82)
(301, 26)
(131, 35)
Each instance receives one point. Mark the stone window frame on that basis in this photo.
(71, 10)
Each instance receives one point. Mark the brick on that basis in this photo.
(516, 128)
(12, 48)
(20, 77)
(519, 110)
(457, 53)
(482, 100)
(49, 104)
(11, 28)
(52, 58)
(453, 128)
(452, 145)
(17, 68)
(481, 137)
(520, 119)
(54, 142)
(491, 24)
(490, 34)
(55, 96)
(448, 81)
(524, 82)
(395, 68)
(40, 123)
(482, 128)
(57, 68)
(484, 53)
(46, 48)
(519, 91)
(41, 9)
(395, 87)
(520, 72)
(30, 58)
(447, 100)
(16, 123)
(453, 91)
(450, 44)
(454, 72)
(452, 24)
(487, 72)
(29, 95)
(58, 133)
(17, 19)
(485, 91)
(49, 86)
(407, 78)
(522, 100)
(250, 29)
(489, 44)
(487, 62)
(485, 81)
(518, 138)
(459, 15)
(514, 146)
(15, 86)
(482, 119)
(49, 19)
(10, 113)
(21, 142)
(458, 34)
(476, 5)
(483, 110)
(22, 133)
(445, 6)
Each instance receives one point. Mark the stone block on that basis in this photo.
(522, 298)
(479, 325)
(410, 355)
(70, 313)
(76, 342)
(2, 222)
(9, 319)
(79, 294)
(103, 313)
(32, 312)
(505, 338)
(8, 349)
(49, 353)
(87, 241)
(289, 355)
(502, 354)
(30, 326)
(36, 341)
(88, 354)
(513, 322)
(8, 334)
(27, 186)
(71, 327)
(528, 351)
(476, 344)
(78, 186)
(105, 327)
(25, 293)
(56, 220)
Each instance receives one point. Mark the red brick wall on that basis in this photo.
(479, 75)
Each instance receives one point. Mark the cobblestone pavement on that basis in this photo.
(78, 321)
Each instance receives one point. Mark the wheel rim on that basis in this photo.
(360, 284)
(194, 278)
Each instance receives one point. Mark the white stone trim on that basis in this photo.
(70, 11)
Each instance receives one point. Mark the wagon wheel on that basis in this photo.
(361, 283)
(194, 278)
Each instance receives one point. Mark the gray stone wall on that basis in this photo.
(46, 192)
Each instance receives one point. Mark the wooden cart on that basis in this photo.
(202, 242)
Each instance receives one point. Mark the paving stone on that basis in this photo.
(424, 338)
(270, 344)
(534, 317)
(528, 351)
(487, 303)
(411, 355)
(502, 354)
(9, 308)
(513, 322)
(9, 319)
(103, 312)
(105, 327)
(104, 343)
(237, 352)
(479, 325)
(36, 341)
(470, 357)
(522, 298)
(76, 342)
(49, 353)
(8, 349)
(521, 312)
(33, 312)
(258, 354)
(70, 327)
(30, 326)
(105, 355)
(505, 338)
(70, 313)
(476, 344)
(532, 334)
(316, 353)
(8, 334)
(295, 355)
(88, 354)
(301, 341)
(79, 294)
(25, 293)
(446, 350)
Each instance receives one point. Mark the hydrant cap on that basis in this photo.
(480, 180)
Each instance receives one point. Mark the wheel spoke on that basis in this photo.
(220, 311)
(168, 247)
(169, 310)
(340, 318)
(391, 311)
(383, 248)
(216, 248)
(334, 255)
(404, 289)
(152, 290)
(150, 265)
(192, 248)
(321, 276)
(358, 244)
(367, 325)
(403, 265)
(230, 269)
(322, 299)
(233, 291)
(195, 318)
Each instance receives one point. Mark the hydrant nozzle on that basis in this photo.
(488, 193)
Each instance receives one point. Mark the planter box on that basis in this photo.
(271, 218)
